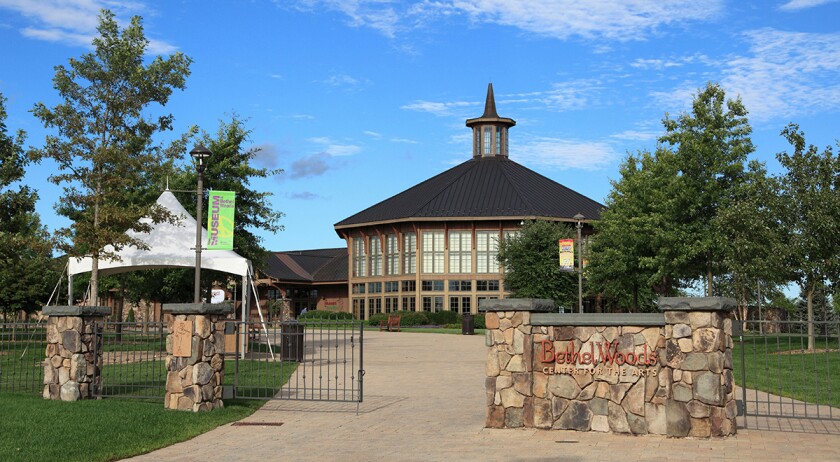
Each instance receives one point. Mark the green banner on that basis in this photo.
(220, 209)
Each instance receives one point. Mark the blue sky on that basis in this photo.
(358, 100)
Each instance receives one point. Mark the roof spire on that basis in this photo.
(490, 103)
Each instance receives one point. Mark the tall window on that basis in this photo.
(433, 304)
(375, 256)
(460, 304)
(409, 253)
(359, 257)
(486, 251)
(409, 304)
(433, 252)
(487, 141)
(498, 141)
(392, 255)
(460, 251)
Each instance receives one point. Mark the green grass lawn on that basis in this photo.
(774, 365)
(34, 429)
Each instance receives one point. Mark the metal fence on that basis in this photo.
(22, 353)
(314, 360)
(133, 360)
(781, 376)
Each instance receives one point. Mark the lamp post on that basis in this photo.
(579, 218)
(200, 155)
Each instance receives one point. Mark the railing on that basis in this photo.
(22, 353)
(133, 360)
(313, 360)
(781, 377)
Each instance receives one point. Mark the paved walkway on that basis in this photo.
(424, 400)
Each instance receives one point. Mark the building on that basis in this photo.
(433, 246)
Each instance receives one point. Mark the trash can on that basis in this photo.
(291, 341)
(467, 324)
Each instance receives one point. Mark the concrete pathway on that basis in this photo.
(424, 400)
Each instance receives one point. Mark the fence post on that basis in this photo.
(195, 361)
(74, 353)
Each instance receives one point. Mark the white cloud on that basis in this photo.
(340, 80)
(560, 19)
(796, 5)
(437, 108)
(403, 140)
(335, 149)
(372, 134)
(565, 154)
(74, 22)
(636, 135)
(788, 73)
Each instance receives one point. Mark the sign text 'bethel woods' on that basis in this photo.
(608, 359)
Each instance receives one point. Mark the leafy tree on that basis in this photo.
(230, 169)
(752, 241)
(631, 261)
(711, 145)
(27, 268)
(531, 265)
(104, 143)
(810, 212)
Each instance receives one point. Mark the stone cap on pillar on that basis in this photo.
(76, 310)
(537, 305)
(696, 304)
(198, 308)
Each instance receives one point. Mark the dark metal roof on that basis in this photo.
(319, 265)
(486, 187)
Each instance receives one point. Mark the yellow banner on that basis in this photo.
(567, 255)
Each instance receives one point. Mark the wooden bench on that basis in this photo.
(389, 324)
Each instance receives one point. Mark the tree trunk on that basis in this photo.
(709, 279)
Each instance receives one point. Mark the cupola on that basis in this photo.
(490, 132)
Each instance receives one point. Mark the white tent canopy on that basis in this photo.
(171, 245)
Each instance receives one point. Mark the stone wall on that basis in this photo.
(668, 374)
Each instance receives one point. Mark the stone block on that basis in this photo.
(491, 320)
(577, 416)
(540, 387)
(699, 319)
(522, 383)
(617, 418)
(563, 386)
(600, 423)
(491, 366)
(70, 391)
(682, 392)
(637, 423)
(78, 367)
(514, 417)
(173, 383)
(598, 406)
(202, 373)
(676, 317)
(707, 388)
(681, 330)
(510, 398)
(50, 374)
(185, 403)
(677, 419)
(686, 346)
(542, 413)
(706, 339)
(516, 364)
(617, 391)
(518, 342)
(563, 333)
(558, 406)
(71, 341)
(634, 399)
(651, 384)
(63, 375)
(651, 335)
(655, 419)
(583, 380)
(700, 428)
(505, 324)
(694, 362)
(203, 326)
(589, 392)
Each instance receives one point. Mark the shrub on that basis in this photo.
(326, 315)
(130, 316)
(480, 321)
(442, 318)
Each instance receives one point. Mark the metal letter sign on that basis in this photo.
(567, 255)
(220, 220)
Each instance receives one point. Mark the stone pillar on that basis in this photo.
(698, 358)
(195, 362)
(74, 354)
(509, 367)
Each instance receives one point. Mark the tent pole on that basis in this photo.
(69, 287)
(243, 337)
(262, 320)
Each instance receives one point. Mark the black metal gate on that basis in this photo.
(781, 377)
(314, 360)
(133, 360)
